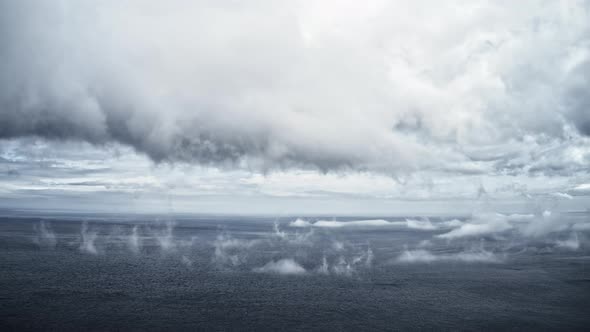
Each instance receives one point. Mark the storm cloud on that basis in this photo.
(463, 88)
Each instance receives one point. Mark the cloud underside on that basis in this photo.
(475, 88)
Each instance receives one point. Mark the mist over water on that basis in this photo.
(521, 271)
(45, 237)
(479, 238)
(134, 240)
(88, 237)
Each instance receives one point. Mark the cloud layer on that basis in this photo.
(468, 88)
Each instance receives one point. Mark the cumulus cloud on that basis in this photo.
(423, 224)
(386, 87)
(529, 227)
(285, 266)
(425, 256)
(345, 224)
(300, 223)
(480, 225)
(354, 223)
(426, 225)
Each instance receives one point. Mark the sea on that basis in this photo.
(105, 272)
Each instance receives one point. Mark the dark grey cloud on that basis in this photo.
(267, 85)
(577, 96)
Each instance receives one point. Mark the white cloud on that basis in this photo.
(300, 223)
(389, 87)
(420, 100)
(426, 225)
(425, 256)
(355, 223)
(282, 266)
(480, 225)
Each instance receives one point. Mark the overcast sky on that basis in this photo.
(287, 107)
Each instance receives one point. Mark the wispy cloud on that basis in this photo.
(87, 239)
(45, 236)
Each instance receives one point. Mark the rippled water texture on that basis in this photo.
(484, 272)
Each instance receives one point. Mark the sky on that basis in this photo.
(294, 107)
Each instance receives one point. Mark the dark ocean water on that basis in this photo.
(228, 273)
